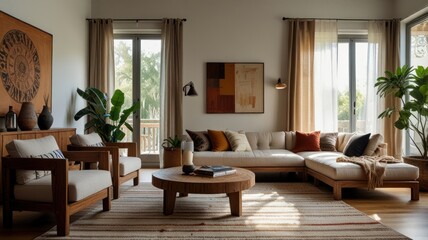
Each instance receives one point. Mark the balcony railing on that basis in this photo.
(149, 135)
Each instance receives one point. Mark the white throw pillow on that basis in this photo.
(45, 147)
(238, 141)
(87, 140)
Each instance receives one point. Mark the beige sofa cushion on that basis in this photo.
(128, 164)
(81, 184)
(325, 163)
(266, 140)
(256, 158)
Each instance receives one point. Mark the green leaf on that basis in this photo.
(118, 98)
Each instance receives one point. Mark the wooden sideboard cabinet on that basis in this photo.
(62, 136)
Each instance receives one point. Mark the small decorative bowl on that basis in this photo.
(188, 169)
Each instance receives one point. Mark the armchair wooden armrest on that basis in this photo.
(131, 146)
(90, 156)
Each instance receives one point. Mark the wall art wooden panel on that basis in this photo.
(235, 88)
(25, 64)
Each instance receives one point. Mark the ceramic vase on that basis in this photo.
(45, 119)
(27, 118)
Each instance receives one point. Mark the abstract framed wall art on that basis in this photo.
(235, 87)
(25, 64)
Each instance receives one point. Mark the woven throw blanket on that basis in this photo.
(373, 166)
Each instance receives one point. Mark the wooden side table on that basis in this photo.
(173, 181)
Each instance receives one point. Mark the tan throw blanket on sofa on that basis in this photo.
(373, 166)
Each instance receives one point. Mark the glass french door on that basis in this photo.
(137, 74)
(352, 75)
(417, 55)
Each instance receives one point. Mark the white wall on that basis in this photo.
(65, 20)
(238, 30)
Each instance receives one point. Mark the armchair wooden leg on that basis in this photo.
(107, 201)
(116, 192)
(7, 215)
(137, 179)
(63, 223)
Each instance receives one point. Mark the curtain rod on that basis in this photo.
(341, 19)
(134, 19)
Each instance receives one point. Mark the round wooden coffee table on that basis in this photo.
(173, 181)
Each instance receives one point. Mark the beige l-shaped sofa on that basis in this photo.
(271, 152)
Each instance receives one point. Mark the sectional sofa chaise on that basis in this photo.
(272, 152)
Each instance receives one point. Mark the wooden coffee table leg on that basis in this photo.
(235, 201)
(168, 202)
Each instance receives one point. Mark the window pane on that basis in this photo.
(343, 88)
(150, 94)
(123, 75)
(361, 50)
(418, 57)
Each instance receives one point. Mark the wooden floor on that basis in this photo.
(392, 207)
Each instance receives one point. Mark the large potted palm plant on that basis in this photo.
(411, 86)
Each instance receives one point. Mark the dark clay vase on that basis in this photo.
(27, 118)
(45, 119)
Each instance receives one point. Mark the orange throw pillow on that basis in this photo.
(307, 141)
(218, 141)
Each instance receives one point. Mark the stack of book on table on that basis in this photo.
(215, 171)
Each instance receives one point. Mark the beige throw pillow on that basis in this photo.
(342, 141)
(87, 140)
(238, 141)
(372, 145)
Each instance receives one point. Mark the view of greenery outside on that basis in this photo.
(149, 72)
(149, 67)
(343, 108)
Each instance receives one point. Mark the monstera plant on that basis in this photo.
(106, 122)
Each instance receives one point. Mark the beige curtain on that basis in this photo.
(392, 135)
(172, 79)
(300, 99)
(101, 54)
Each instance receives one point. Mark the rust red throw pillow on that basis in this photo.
(307, 141)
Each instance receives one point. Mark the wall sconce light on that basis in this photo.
(191, 92)
(280, 85)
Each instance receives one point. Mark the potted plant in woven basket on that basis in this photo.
(172, 152)
(413, 116)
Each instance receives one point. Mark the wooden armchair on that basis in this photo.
(62, 192)
(123, 168)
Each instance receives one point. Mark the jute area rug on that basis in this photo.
(270, 211)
